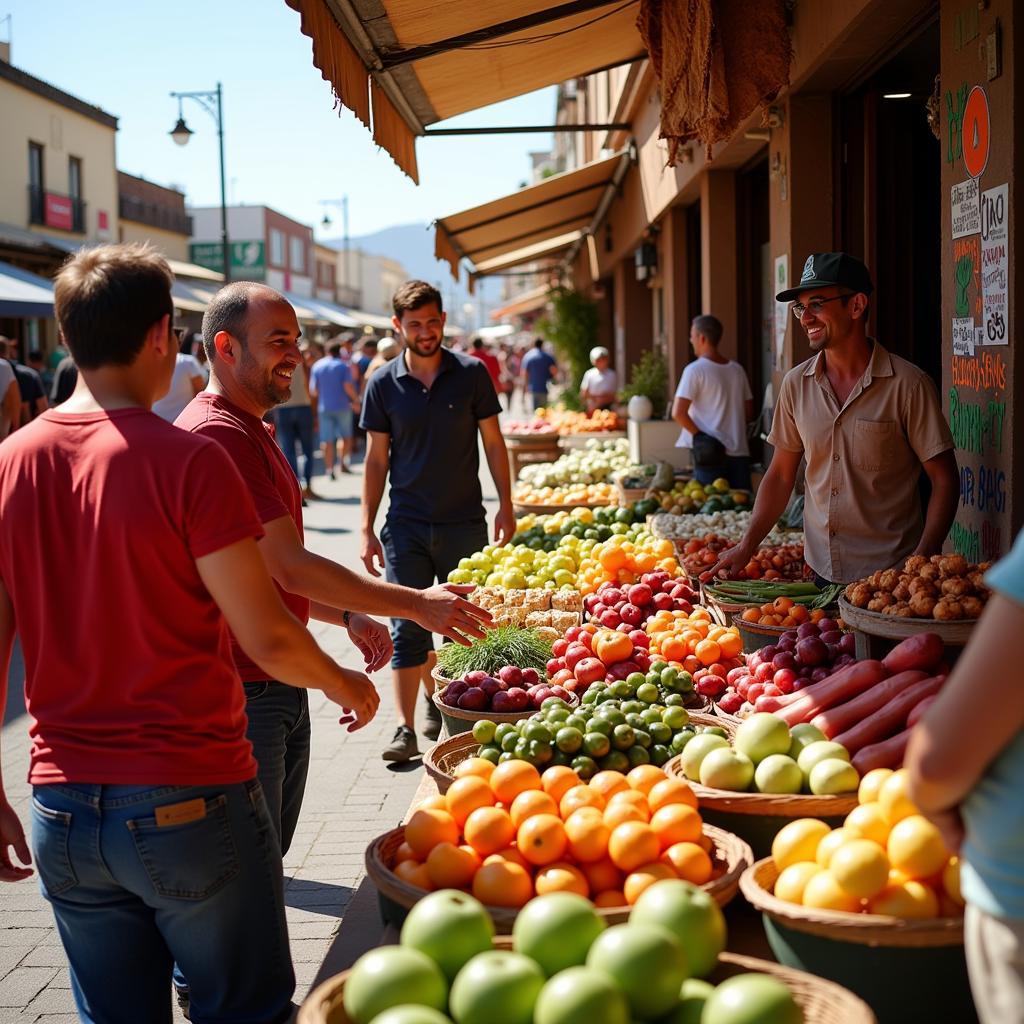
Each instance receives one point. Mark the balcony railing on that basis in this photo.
(56, 210)
(155, 215)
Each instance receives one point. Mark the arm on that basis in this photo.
(772, 497)
(239, 582)
(982, 700)
(681, 414)
(10, 410)
(497, 462)
(375, 473)
(945, 480)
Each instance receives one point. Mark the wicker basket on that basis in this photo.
(907, 971)
(822, 1002)
(730, 856)
(457, 721)
(726, 718)
(757, 817)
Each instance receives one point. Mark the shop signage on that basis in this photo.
(247, 258)
(995, 266)
(58, 212)
(963, 336)
(975, 132)
(966, 208)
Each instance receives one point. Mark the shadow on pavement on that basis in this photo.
(401, 767)
(316, 897)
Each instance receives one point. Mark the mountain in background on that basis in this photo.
(413, 246)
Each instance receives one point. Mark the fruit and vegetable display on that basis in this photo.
(593, 464)
(689, 496)
(886, 858)
(592, 652)
(565, 966)
(707, 651)
(635, 477)
(770, 563)
(565, 421)
(869, 707)
(618, 725)
(496, 649)
(944, 587)
(527, 428)
(612, 605)
(545, 532)
(777, 604)
(569, 494)
(507, 833)
(726, 524)
(536, 608)
(766, 756)
(511, 690)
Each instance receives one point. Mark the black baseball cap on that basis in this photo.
(826, 268)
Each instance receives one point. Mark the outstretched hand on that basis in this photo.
(358, 699)
(729, 563)
(373, 640)
(12, 835)
(446, 611)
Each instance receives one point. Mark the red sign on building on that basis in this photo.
(58, 212)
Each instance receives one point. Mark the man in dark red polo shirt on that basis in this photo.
(251, 336)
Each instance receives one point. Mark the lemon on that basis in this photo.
(871, 784)
(868, 822)
(909, 900)
(828, 846)
(798, 841)
(790, 885)
(893, 800)
(861, 868)
(951, 880)
(916, 848)
(825, 893)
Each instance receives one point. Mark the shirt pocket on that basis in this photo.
(873, 444)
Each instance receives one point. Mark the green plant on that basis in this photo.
(649, 377)
(572, 329)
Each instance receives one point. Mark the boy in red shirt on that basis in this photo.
(151, 834)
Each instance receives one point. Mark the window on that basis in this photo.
(75, 192)
(298, 254)
(276, 247)
(36, 200)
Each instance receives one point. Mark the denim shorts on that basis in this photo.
(335, 426)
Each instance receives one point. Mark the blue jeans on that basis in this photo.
(295, 425)
(416, 555)
(335, 426)
(132, 893)
(735, 469)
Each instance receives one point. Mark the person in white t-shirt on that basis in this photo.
(713, 405)
(188, 380)
(599, 385)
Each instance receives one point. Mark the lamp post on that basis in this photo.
(326, 223)
(210, 101)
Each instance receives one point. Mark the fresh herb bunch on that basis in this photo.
(761, 591)
(506, 645)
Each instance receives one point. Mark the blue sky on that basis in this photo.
(285, 145)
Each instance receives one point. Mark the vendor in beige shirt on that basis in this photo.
(867, 423)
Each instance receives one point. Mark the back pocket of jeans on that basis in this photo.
(50, 836)
(190, 861)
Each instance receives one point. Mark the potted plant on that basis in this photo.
(646, 392)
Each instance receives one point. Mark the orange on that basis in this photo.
(465, 795)
(561, 877)
(608, 783)
(676, 823)
(577, 797)
(602, 874)
(587, 834)
(674, 649)
(489, 829)
(433, 803)
(452, 867)
(558, 780)
(542, 839)
(632, 798)
(731, 643)
(631, 844)
(671, 791)
(415, 873)
(479, 766)
(510, 779)
(610, 898)
(404, 852)
(503, 884)
(510, 853)
(427, 827)
(645, 777)
(616, 813)
(690, 862)
(530, 802)
(708, 652)
(644, 876)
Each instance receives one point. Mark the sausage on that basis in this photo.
(921, 651)
(886, 754)
(890, 718)
(837, 719)
(840, 686)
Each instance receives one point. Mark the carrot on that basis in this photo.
(890, 718)
(836, 719)
(840, 686)
(886, 754)
(921, 651)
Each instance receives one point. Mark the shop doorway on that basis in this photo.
(890, 211)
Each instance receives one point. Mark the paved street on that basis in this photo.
(352, 796)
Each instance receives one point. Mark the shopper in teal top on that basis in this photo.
(966, 764)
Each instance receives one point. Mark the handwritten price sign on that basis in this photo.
(994, 209)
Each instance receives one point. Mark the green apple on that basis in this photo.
(646, 962)
(450, 927)
(690, 914)
(409, 1014)
(393, 976)
(801, 735)
(832, 776)
(778, 773)
(497, 987)
(557, 930)
(580, 995)
(697, 749)
(762, 735)
(820, 751)
(752, 999)
(725, 768)
(692, 997)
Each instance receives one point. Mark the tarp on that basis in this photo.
(23, 293)
(525, 302)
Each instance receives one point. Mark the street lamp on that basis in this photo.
(210, 101)
(326, 223)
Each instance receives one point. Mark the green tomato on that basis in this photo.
(491, 753)
(584, 766)
(660, 754)
(569, 740)
(675, 717)
(596, 744)
(647, 692)
(484, 731)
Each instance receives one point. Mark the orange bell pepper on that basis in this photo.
(611, 646)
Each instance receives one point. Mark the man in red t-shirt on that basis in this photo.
(491, 361)
(151, 835)
(251, 335)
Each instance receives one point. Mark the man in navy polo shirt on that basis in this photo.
(422, 412)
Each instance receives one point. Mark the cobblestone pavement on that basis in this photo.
(351, 796)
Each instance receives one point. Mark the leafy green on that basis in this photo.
(505, 645)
